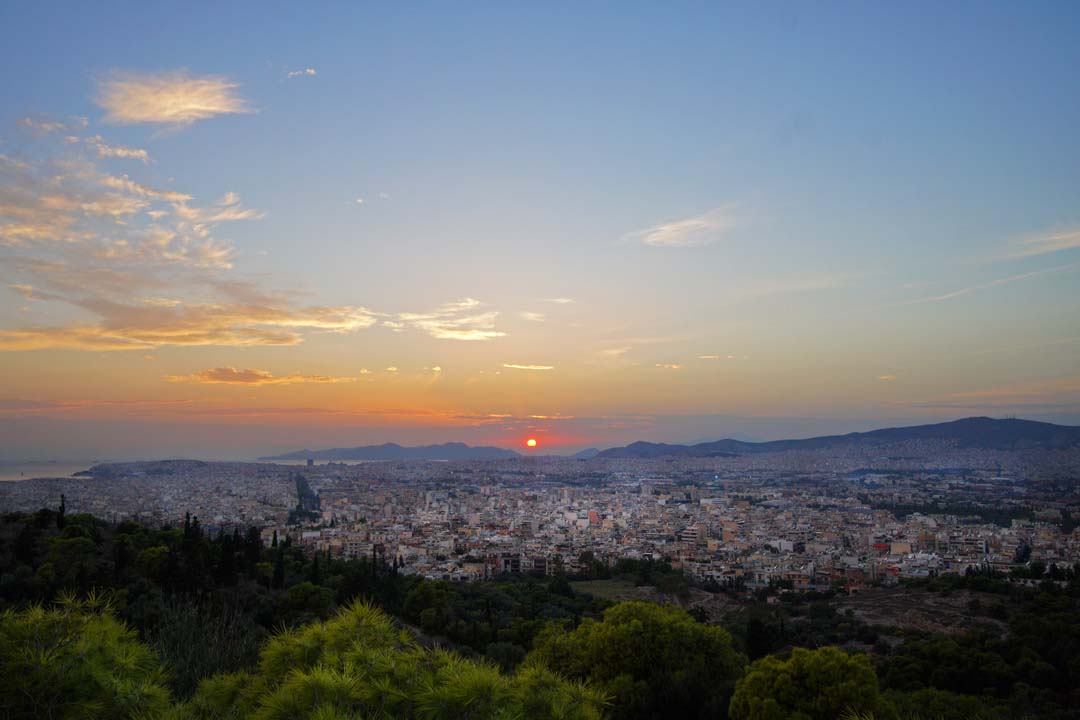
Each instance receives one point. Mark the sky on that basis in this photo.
(233, 229)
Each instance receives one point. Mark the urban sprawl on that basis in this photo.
(796, 520)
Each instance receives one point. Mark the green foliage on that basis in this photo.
(476, 615)
(358, 664)
(76, 661)
(944, 705)
(812, 685)
(655, 661)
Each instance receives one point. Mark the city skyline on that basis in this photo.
(270, 230)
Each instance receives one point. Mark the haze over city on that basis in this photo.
(231, 233)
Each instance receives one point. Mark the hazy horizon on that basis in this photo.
(590, 224)
(253, 442)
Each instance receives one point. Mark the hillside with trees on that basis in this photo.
(118, 621)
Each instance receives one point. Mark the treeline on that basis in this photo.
(207, 604)
(1001, 516)
(207, 610)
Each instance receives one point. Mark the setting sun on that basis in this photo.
(531, 442)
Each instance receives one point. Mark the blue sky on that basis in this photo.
(857, 212)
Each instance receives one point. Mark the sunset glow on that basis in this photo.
(662, 235)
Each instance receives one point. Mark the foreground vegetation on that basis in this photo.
(104, 621)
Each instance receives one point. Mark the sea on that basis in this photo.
(13, 471)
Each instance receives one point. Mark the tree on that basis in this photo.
(359, 664)
(655, 661)
(818, 684)
(76, 661)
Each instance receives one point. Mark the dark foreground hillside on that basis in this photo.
(125, 621)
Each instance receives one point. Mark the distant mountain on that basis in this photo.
(975, 432)
(587, 454)
(393, 451)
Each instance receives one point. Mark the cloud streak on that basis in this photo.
(1050, 242)
(519, 366)
(251, 376)
(961, 292)
(689, 232)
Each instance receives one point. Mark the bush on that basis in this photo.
(76, 660)
(655, 661)
(818, 684)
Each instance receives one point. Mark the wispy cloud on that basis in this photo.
(886, 378)
(960, 292)
(105, 150)
(175, 98)
(126, 184)
(250, 376)
(459, 320)
(689, 232)
(669, 366)
(533, 316)
(306, 72)
(560, 300)
(1044, 243)
(45, 125)
(519, 366)
(1055, 392)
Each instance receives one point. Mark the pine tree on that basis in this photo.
(279, 572)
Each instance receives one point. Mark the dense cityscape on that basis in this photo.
(749, 522)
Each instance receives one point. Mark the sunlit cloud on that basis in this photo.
(138, 326)
(669, 366)
(126, 184)
(518, 366)
(175, 98)
(251, 376)
(105, 150)
(533, 316)
(109, 217)
(560, 300)
(886, 378)
(306, 72)
(458, 320)
(690, 232)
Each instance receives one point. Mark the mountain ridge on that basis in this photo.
(975, 432)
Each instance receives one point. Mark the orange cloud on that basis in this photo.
(251, 376)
